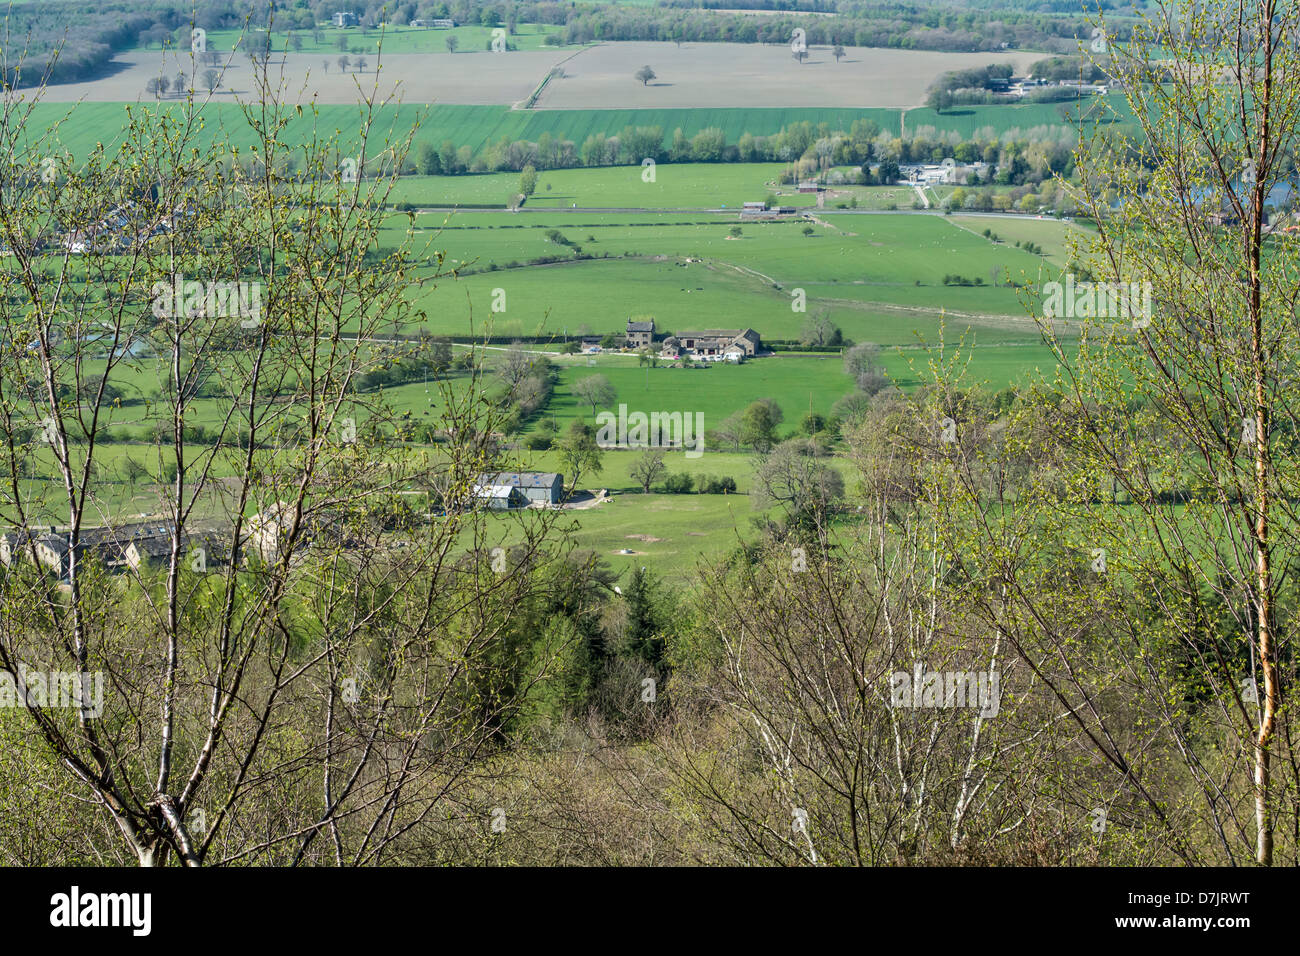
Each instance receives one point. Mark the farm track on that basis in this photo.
(991, 320)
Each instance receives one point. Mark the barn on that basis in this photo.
(522, 488)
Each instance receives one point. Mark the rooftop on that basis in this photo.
(714, 334)
(520, 479)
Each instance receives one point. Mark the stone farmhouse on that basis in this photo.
(640, 333)
(116, 548)
(733, 345)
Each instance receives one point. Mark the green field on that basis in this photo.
(674, 186)
(798, 383)
(475, 126)
(878, 277)
(969, 120)
(670, 535)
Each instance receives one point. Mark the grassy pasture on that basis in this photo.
(798, 383)
(878, 277)
(675, 186)
(474, 126)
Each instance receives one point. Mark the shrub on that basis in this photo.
(717, 485)
(679, 484)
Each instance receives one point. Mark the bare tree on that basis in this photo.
(595, 390)
(648, 468)
(311, 672)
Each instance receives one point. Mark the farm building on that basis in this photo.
(436, 24)
(948, 172)
(344, 19)
(114, 547)
(533, 487)
(714, 343)
(500, 497)
(155, 549)
(640, 333)
(14, 545)
(760, 211)
(328, 530)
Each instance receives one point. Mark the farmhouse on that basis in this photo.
(201, 550)
(949, 172)
(14, 545)
(714, 343)
(640, 333)
(344, 19)
(325, 529)
(114, 547)
(513, 489)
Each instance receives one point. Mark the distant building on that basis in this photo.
(436, 24)
(113, 547)
(153, 550)
(754, 210)
(949, 172)
(344, 19)
(17, 544)
(269, 530)
(809, 188)
(714, 343)
(640, 333)
(500, 497)
(533, 487)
